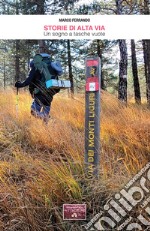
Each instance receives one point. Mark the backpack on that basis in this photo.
(50, 70)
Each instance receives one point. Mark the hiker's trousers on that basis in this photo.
(40, 110)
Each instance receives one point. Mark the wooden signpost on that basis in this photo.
(92, 117)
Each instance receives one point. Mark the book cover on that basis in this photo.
(74, 157)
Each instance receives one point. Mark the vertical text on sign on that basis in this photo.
(91, 133)
(92, 116)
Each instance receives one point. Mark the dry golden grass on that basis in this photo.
(42, 167)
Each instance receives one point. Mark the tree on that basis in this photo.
(70, 66)
(99, 53)
(122, 89)
(148, 76)
(146, 50)
(3, 72)
(135, 73)
(17, 61)
(17, 66)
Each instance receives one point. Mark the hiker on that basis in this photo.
(42, 97)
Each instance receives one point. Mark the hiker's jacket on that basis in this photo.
(37, 88)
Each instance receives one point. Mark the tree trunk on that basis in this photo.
(17, 61)
(146, 7)
(145, 64)
(41, 11)
(70, 67)
(146, 50)
(42, 46)
(99, 52)
(40, 7)
(119, 6)
(122, 89)
(148, 72)
(135, 73)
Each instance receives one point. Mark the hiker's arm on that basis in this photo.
(27, 81)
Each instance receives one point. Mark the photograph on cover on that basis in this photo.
(74, 135)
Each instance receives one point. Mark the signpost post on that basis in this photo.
(92, 117)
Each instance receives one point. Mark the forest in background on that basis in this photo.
(15, 62)
(125, 64)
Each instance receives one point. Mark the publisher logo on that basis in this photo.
(120, 212)
(74, 212)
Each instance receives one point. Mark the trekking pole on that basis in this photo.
(17, 100)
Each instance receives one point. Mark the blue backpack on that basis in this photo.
(50, 70)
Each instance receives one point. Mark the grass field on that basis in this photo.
(42, 167)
